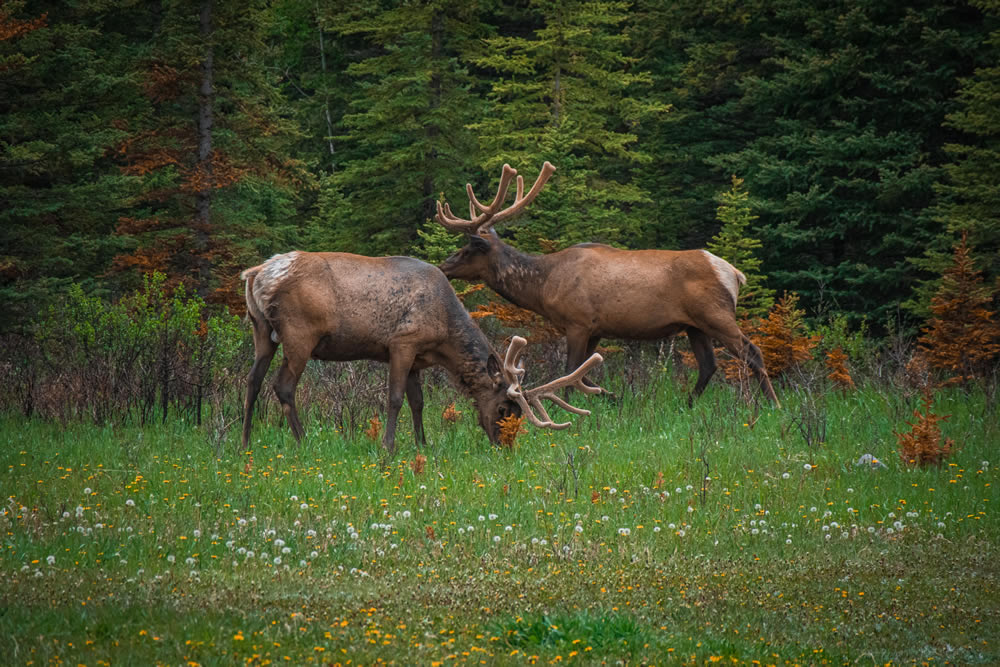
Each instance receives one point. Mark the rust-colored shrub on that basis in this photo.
(836, 363)
(374, 428)
(962, 337)
(450, 414)
(924, 444)
(510, 428)
(782, 340)
(418, 464)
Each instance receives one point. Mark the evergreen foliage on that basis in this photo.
(567, 93)
(62, 93)
(140, 137)
(733, 244)
(962, 337)
(404, 131)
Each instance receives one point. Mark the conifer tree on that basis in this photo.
(969, 189)
(209, 146)
(567, 92)
(63, 99)
(403, 136)
(962, 336)
(734, 245)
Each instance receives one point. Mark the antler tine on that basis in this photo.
(454, 224)
(476, 223)
(532, 398)
(523, 200)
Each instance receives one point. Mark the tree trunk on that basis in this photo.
(326, 92)
(437, 38)
(203, 196)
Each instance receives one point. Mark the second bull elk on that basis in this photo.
(340, 307)
(592, 291)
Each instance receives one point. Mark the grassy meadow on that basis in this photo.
(648, 533)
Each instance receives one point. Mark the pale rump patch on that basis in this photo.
(730, 277)
(271, 273)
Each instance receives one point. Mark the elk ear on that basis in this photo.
(495, 370)
(478, 244)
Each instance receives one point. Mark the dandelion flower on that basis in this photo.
(807, 467)
(496, 538)
(129, 503)
(51, 560)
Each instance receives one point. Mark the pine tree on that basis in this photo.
(837, 133)
(734, 245)
(962, 336)
(209, 147)
(63, 96)
(567, 92)
(969, 190)
(403, 137)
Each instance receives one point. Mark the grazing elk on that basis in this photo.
(340, 307)
(592, 291)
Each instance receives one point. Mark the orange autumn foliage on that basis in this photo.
(923, 444)
(962, 337)
(836, 363)
(450, 414)
(374, 428)
(510, 428)
(781, 337)
(518, 318)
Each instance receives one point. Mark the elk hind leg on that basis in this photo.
(701, 346)
(755, 359)
(284, 387)
(264, 349)
(579, 346)
(744, 349)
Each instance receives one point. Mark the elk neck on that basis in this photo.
(517, 276)
(467, 354)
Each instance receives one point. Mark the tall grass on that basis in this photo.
(648, 532)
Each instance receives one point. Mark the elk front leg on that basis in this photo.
(579, 346)
(400, 363)
(415, 397)
(284, 386)
(701, 346)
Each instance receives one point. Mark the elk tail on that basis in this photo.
(254, 312)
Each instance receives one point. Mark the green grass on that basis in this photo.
(647, 533)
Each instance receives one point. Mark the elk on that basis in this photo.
(339, 307)
(592, 291)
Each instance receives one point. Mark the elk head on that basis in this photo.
(508, 397)
(471, 261)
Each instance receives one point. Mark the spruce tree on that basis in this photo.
(65, 101)
(567, 92)
(210, 148)
(969, 188)
(962, 336)
(403, 137)
(734, 245)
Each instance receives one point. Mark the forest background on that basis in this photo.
(197, 137)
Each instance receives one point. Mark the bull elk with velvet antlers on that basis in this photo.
(340, 307)
(592, 291)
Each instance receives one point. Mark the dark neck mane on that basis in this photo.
(517, 276)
